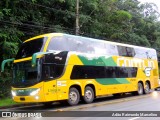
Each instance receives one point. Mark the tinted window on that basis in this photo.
(93, 72)
(145, 53)
(126, 51)
(62, 44)
(24, 75)
(57, 58)
(75, 43)
(27, 49)
(53, 65)
(51, 71)
(95, 46)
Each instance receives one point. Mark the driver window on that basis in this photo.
(48, 72)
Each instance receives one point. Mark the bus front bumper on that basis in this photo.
(28, 99)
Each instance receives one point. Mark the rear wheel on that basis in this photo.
(146, 88)
(88, 95)
(140, 89)
(74, 96)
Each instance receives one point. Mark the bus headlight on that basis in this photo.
(13, 93)
(35, 92)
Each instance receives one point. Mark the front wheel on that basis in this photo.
(88, 95)
(74, 96)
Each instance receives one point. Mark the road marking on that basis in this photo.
(134, 118)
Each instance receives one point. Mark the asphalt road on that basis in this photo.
(145, 107)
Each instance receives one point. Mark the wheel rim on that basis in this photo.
(73, 96)
(88, 95)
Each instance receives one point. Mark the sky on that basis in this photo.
(157, 2)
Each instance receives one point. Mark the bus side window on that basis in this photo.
(130, 52)
(108, 72)
(126, 51)
(48, 72)
(58, 70)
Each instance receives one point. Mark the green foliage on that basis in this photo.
(7, 102)
(124, 21)
(121, 16)
(5, 86)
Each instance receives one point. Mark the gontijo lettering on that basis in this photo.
(135, 62)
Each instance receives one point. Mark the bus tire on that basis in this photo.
(147, 88)
(74, 96)
(140, 89)
(88, 95)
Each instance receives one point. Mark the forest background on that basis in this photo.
(125, 21)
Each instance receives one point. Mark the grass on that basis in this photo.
(7, 102)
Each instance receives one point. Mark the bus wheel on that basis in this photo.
(74, 96)
(140, 89)
(88, 95)
(147, 88)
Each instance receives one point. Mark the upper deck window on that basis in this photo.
(66, 43)
(27, 49)
(73, 43)
(126, 51)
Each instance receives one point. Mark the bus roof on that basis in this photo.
(110, 42)
(90, 39)
(44, 35)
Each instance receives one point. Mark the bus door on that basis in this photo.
(52, 69)
(50, 83)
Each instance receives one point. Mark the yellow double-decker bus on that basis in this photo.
(56, 67)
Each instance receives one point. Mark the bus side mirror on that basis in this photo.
(4, 63)
(34, 58)
(37, 55)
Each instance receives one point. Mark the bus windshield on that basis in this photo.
(27, 49)
(24, 75)
(49, 67)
